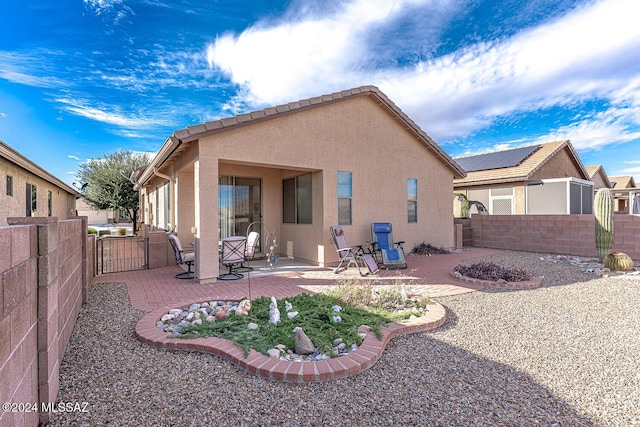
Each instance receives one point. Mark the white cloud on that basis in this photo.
(71, 156)
(108, 114)
(281, 62)
(115, 10)
(589, 54)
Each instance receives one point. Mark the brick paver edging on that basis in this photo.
(534, 282)
(280, 370)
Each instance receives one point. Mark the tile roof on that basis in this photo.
(172, 146)
(593, 170)
(524, 170)
(623, 181)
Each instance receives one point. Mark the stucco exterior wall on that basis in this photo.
(63, 203)
(357, 135)
(561, 165)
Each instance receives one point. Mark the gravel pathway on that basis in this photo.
(566, 354)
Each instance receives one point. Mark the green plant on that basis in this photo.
(314, 317)
(92, 230)
(603, 206)
(464, 204)
(121, 231)
(618, 261)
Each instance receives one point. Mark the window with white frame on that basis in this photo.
(412, 200)
(344, 198)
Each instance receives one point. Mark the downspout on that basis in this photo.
(171, 195)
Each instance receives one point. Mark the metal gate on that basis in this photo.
(467, 235)
(121, 253)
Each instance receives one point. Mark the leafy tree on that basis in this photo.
(106, 184)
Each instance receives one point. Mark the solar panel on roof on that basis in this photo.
(497, 160)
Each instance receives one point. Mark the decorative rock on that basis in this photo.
(167, 317)
(274, 313)
(203, 312)
(303, 344)
(273, 352)
(281, 347)
(292, 314)
(223, 313)
(204, 304)
(189, 317)
(363, 329)
(252, 326)
(197, 322)
(336, 308)
(175, 312)
(194, 307)
(337, 342)
(287, 305)
(341, 346)
(243, 307)
(336, 319)
(211, 318)
(184, 323)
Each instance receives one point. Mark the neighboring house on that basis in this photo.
(96, 217)
(622, 198)
(540, 179)
(599, 177)
(349, 158)
(28, 190)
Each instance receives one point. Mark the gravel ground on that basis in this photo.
(566, 354)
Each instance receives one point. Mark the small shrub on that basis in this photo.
(121, 231)
(493, 272)
(428, 249)
(92, 230)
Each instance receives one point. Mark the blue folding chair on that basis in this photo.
(392, 253)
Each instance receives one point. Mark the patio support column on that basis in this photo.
(205, 174)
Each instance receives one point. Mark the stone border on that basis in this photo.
(283, 370)
(534, 282)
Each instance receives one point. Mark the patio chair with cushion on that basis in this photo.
(391, 252)
(233, 255)
(252, 243)
(182, 257)
(351, 254)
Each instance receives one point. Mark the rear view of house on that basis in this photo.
(349, 158)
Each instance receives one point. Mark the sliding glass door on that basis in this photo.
(239, 204)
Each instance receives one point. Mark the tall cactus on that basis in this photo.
(604, 222)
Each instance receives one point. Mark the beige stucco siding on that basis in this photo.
(561, 165)
(63, 203)
(357, 135)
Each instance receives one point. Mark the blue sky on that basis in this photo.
(80, 78)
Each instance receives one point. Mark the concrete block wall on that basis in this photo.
(18, 321)
(43, 277)
(558, 234)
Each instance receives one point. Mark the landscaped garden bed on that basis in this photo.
(331, 324)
